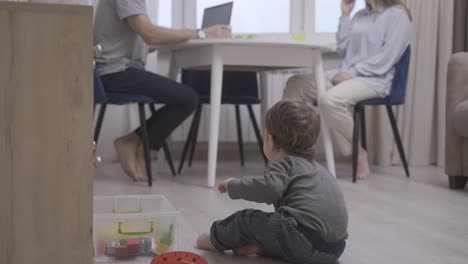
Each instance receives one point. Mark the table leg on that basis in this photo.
(164, 64)
(173, 71)
(215, 108)
(263, 95)
(320, 79)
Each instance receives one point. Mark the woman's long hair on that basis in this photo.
(373, 5)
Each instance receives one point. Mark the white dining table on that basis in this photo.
(255, 54)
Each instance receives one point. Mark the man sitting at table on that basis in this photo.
(124, 30)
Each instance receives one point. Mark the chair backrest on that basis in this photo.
(235, 83)
(400, 79)
(99, 92)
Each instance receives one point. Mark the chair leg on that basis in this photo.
(152, 108)
(357, 117)
(168, 155)
(239, 135)
(144, 132)
(257, 131)
(97, 130)
(396, 134)
(195, 135)
(457, 182)
(188, 142)
(362, 111)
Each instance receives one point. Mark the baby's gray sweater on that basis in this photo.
(304, 189)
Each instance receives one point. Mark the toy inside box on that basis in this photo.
(133, 226)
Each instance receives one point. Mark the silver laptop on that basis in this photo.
(217, 15)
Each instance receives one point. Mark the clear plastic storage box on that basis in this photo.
(127, 227)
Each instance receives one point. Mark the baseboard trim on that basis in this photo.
(229, 151)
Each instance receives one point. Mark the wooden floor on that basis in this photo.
(393, 220)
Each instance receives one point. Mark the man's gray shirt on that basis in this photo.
(122, 47)
(302, 188)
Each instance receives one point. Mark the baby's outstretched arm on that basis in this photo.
(223, 186)
(267, 189)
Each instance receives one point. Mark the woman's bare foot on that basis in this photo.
(126, 148)
(246, 250)
(204, 242)
(363, 170)
(141, 175)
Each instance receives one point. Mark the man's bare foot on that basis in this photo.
(204, 242)
(246, 250)
(141, 173)
(126, 148)
(363, 170)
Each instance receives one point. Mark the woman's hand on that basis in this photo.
(223, 186)
(218, 31)
(340, 77)
(347, 7)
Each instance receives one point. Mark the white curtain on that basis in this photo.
(421, 121)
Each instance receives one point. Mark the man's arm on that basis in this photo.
(153, 35)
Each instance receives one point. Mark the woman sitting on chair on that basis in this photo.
(370, 43)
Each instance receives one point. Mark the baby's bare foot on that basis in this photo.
(204, 242)
(246, 250)
(363, 170)
(126, 148)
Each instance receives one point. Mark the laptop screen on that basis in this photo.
(217, 15)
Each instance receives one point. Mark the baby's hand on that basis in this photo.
(223, 186)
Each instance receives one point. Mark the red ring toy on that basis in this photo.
(179, 257)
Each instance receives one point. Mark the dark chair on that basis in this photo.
(103, 98)
(396, 97)
(239, 88)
